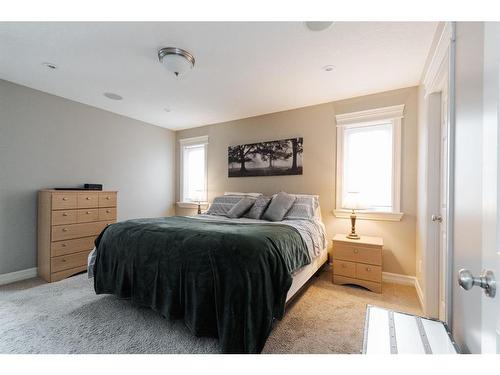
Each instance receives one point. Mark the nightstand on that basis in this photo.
(358, 261)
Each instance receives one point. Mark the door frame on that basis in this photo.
(439, 75)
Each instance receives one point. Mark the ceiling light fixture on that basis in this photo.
(177, 60)
(49, 65)
(318, 25)
(328, 68)
(113, 96)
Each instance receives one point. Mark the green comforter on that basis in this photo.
(226, 280)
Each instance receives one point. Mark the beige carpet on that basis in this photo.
(67, 317)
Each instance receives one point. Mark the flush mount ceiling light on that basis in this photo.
(49, 65)
(318, 25)
(177, 60)
(328, 68)
(112, 96)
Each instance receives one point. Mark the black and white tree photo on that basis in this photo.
(271, 158)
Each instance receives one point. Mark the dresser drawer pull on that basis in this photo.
(65, 229)
(63, 260)
(87, 198)
(63, 245)
(108, 211)
(65, 198)
(65, 214)
(88, 212)
(356, 251)
(368, 269)
(108, 198)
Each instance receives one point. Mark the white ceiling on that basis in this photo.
(242, 69)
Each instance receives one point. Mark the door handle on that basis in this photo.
(486, 281)
(437, 218)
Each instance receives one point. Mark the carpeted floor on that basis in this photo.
(67, 317)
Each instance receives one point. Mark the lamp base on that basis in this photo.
(353, 236)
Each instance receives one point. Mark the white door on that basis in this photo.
(443, 207)
(476, 222)
(491, 177)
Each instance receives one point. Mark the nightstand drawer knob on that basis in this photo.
(108, 198)
(368, 269)
(356, 251)
(88, 212)
(65, 199)
(65, 214)
(65, 229)
(87, 198)
(63, 245)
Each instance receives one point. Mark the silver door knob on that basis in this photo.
(437, 218)
(486, 281)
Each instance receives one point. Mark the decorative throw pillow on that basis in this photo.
(279, 206)
(258, 208)
(244, 194)
(241, 207)
(222, 205)
(302, 208)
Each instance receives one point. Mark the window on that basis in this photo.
(368, 162)
(193, 166)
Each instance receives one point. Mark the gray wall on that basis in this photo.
(48, 141)
(317, 125)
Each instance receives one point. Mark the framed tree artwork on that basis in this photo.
(271, 158)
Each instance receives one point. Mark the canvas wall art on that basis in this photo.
(271, 158)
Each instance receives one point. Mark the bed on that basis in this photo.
(226, 278)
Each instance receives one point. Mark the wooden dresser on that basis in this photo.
(68, 223)
(358, 261)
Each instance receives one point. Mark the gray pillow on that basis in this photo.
(241, 207)
(258, 208)
(222, 205)
(302, 208)
(279, 206)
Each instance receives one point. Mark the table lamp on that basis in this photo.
(353, 202)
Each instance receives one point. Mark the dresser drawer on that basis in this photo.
(108, 213)
(358, 254)
(369, 272)
(66, 232)
(63, 217)
(65, 262)
(343, 268)
(62, 201)
(107, 199)
(71, 246)
(87, 215)
(88, 200)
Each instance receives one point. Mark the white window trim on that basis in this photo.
(394, 114)
(202, 140)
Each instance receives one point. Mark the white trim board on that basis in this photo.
(12, 277)
(396, 278)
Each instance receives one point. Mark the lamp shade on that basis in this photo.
(353, 201)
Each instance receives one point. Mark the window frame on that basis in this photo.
(183, 143)
(387, 115)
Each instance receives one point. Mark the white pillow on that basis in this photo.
(255, 195)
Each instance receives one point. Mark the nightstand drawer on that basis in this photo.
(344, 268)
(369, 272)
(357, 254)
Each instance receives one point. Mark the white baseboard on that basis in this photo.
(396, 278)
(420, 294)
(12, 277)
